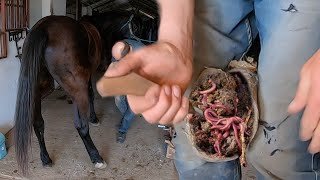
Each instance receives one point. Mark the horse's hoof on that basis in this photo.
(94, 121)
(101, 165)
(48, 165)
(95, 124)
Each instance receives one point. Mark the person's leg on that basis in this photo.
(128, 117)
(221, 34)
(126, 120)
(289, 33)
(121, 104)
(121, 101)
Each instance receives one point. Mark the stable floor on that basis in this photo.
(142, 156)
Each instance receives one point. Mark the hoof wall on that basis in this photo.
(101, 165)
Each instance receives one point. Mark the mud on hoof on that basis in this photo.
(102, 165)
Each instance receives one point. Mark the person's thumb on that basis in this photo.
(301, 97)
(120, 50)
(128, 64)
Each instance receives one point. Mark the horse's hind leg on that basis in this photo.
(81, 122)
(38, 126)
(93, 117)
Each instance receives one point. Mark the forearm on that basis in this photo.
(176, 24)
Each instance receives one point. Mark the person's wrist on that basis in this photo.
(177, 34)
(182, 52)
(176, 24)
(185, 57)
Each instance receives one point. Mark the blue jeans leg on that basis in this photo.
(121, 101)
(289, 33)
(221, 34)
(127, 114)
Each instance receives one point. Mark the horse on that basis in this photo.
(68, 51)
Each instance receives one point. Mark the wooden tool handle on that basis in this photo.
(131, 84)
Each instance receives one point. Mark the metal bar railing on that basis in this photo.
(14, 16)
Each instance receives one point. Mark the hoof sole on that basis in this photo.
(95, 124)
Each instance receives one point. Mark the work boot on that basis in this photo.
(121, 137)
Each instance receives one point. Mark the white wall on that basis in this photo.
(10, 66)
(35, 11)
(59, 7)
(45, 7)
(9, 73)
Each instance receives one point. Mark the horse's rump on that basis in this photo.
(95, 44)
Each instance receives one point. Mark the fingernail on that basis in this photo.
(176, 91)
(125, 50)
(291, 107)
(112, 65)
(302, 138)
(312, 150)
(167, 90)
(291, 104)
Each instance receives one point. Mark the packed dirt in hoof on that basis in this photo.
(225, 101)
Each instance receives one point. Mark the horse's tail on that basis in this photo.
(32, 55)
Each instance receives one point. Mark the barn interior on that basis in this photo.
(143, 155)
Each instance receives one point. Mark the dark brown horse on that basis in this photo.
(62, 49)
(68, 51)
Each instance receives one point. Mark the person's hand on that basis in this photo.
(164, 64)
(308, 97)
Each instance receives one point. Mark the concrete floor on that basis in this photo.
(142, 156)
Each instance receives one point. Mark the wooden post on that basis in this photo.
(26, 13)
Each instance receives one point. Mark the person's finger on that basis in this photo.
(175, 106)
(120, 49)
(132, 61)
(117, 49)
(127, 64)
(139, 104)
(154, 114)
(311, 115)
(183, 111)
(300, 99)
(314, 146)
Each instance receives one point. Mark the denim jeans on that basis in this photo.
(289, 32)
(121, 101)
(127, 114)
